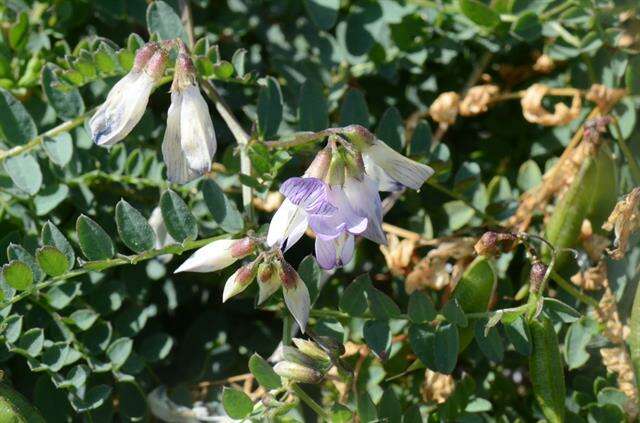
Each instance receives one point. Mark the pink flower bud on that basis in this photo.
(156, 65)
(320, 164)
(143, 55)
(243, 247)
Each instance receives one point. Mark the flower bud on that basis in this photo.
(494, 243)
(359, 136)
(268, 280)
(295, 356)
(335, 175)
(156, 64)
(296, 294)
(536, 276)
(320, 164)
(239, 281)
(312, 350)
(143, 55)
(242, 247)
(297, 372)
(217, 255)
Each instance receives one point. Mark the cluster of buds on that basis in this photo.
(269, 267)
(338, 196)
(308, 363)
(189, 140)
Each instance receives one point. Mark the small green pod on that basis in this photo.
(546, 371)
(14, 408)
(473, 292)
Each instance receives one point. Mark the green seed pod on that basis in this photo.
(474, 292)
(297, 372)
(14, 408)
(634, 335)
(545, 367)
(592, 195)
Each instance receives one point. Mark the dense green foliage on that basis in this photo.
(96, 326)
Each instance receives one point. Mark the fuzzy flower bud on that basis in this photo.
(297, 372)
(268, 280)
(296, 294)
(218, 255)
(494, 243)
(143, 55)
(320, 164)
(239, 281)
(189, 141)
(536, 276)
(311, 349)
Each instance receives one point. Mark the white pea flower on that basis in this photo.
(189, 140)
(217, 255)
(127, 100)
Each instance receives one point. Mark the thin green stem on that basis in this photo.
(572, 290)
(556, 10)
(37, 141)
(287, 329)
(626, 150)
(100, 265)
(301, 138)
(309, 401)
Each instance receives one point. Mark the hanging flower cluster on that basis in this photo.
(189, 140)
(338, 197)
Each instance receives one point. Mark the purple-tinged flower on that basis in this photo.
(335, 231)
(127, 100)
(217, 255)
(390, 169)
(304, 196)
(365, 200)
(189, 140)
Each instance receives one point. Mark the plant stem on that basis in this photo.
(573, 291)
(99, 265)
(626, 150)
(309, 401)
(287, 329)
(37, 141)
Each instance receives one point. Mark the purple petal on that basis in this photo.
(365, 200)
(326, 254)
(309, 193)
(346, 248)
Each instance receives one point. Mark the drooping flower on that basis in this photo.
(390, 169)
(127, 100)
(268, 280)
(189, 140)
(218, 255)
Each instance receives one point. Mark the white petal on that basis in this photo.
(197, 136)
(396, 167)
(162, 236)
(298, 302)
(123, 109)
(365, 200)
(214, 256)
(177, 168)
(235, 285)
(288, 224)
